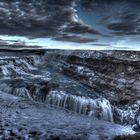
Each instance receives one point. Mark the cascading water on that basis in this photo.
(99, 108)
(30, 75)
(18, 66)
(23, 92)
(15, 70)
(4, 70)
(98, 84)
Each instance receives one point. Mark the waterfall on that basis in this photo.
(128, 114)
(4, 70)
(23, 92)
(27, 64)
(20, 92)
(99, 108)
(19, 66)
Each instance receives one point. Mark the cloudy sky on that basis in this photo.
(70, 24)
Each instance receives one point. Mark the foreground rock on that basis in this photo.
(26, 120)
(130, 137)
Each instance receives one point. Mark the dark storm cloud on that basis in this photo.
(76, 27)
(73, 38)
(128, 25)
(42, 18)
(120, 17)
(59, 20)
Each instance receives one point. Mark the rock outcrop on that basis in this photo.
(87, 79)
(130, 137)
(115, 75)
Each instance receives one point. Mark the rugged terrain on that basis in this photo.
(56, 94)
(25, 120)
(114, 75)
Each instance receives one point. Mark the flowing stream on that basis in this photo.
(27, 76)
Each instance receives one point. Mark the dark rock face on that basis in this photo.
(113, 74)
(116, 73)
(130, 137)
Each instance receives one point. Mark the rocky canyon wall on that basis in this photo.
(115, 75)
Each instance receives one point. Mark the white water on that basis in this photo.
(99, 108)
(22, 92)
(18, 66)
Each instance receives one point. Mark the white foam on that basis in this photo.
(99, 108)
